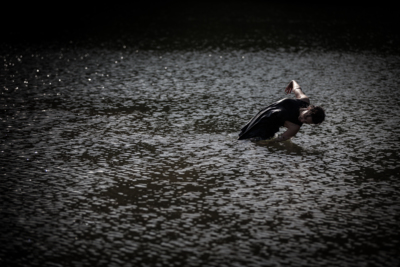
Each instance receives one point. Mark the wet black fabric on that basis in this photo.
(267, 121)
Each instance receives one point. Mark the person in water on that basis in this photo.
(290, 113)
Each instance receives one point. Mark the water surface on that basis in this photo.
(128, 157)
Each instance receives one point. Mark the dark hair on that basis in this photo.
(317, 114)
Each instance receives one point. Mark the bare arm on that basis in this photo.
(291, 131)
(295, 87)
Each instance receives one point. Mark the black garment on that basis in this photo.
(266, 123)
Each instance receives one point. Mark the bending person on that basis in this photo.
(290, 113)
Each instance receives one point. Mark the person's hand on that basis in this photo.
(289, 88)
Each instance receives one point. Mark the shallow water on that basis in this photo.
(127, 157)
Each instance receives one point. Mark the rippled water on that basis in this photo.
(127, 157)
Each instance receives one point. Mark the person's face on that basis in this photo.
(305, 117)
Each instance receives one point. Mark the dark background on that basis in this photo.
(170, 24)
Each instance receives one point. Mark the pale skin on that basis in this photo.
(304, 117)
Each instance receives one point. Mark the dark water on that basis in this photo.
(117, 155)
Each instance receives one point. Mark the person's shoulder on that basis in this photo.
(300, 101)
(304, 99)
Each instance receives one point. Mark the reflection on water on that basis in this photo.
(129, 157)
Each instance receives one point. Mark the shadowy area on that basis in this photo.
(182, 25)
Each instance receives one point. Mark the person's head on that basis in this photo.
(313, 115)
